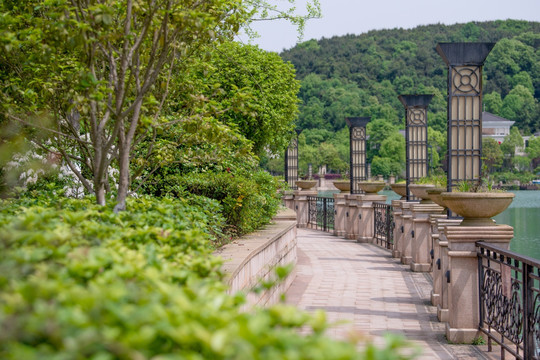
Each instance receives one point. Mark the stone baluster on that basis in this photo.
(421, 236)
(436, 258)
(398, 234)
(288, 199)
(406, 239)
(366, 216)
(440, 280)
(302, 207)
(341, 208)
(352, 216)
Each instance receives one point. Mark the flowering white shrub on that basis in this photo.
(27, 168)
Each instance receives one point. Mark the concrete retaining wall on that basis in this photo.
(254, 257)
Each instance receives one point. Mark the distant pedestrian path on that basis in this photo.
(374, 293)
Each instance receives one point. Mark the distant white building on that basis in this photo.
(495, 127)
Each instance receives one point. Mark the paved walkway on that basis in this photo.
(374, 293)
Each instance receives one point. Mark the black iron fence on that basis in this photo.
(321, 213)
(509, 301)
(384, 225)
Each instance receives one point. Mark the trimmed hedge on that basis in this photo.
(248, 201)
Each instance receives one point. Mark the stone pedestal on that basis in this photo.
(366, 216)
(406, 238)
(421, 236)
(436, 267)
(351, 216)
(463, 296)
(288, 199)
(340, 210)
(301, 206)
(398, 234)
(440, 268)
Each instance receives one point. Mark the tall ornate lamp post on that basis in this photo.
(465, 62)
(357, 136)
(416, 137)
(291, 162)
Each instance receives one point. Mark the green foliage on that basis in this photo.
(95, 74)
(437, 180)
(511, 142)
(252, 91)
(247, 201)
(362, 75)
(492, 155)
(521, 106)
(533, 150)
(79, 281)
(507, 177)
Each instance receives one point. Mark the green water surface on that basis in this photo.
(524, 215)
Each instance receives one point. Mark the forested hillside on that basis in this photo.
(362, 75)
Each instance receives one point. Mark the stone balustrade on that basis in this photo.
(429, 242)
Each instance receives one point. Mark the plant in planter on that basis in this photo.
(400, 188)
(305, 184)
(439, 186)
(477, 202)
(371, 187)
(343, 184)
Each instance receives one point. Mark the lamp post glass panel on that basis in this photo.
(357, 138)
(416, 137)
(291, 162)
(465, 62)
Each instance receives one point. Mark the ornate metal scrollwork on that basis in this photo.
(321, 213)
(383, 224)
(503, 313)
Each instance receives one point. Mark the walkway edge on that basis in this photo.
(254, 257)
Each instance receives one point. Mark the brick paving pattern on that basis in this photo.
(367, 292)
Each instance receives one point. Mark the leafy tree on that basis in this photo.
(492, 156)
(521, 163)
(378, 130)
(263, 10)
(533, 150)
(99, 71)
(437, 141)
(250, 90)
(520, 105)
(511, 142)
(330, 156)
(493, 102)
(393, 148)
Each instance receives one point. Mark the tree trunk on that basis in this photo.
(124, 150)
(123, 181)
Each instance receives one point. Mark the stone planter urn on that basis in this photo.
(400, 189)
(477, 209)
(371, 187)
(343, 186)
(420, 191)
(305, 184)
(435, 195)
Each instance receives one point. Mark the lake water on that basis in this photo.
(524, 215)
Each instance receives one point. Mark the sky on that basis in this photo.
(341, 17)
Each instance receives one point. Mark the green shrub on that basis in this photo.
(508, 177)
(78, 281)
(247, 202)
